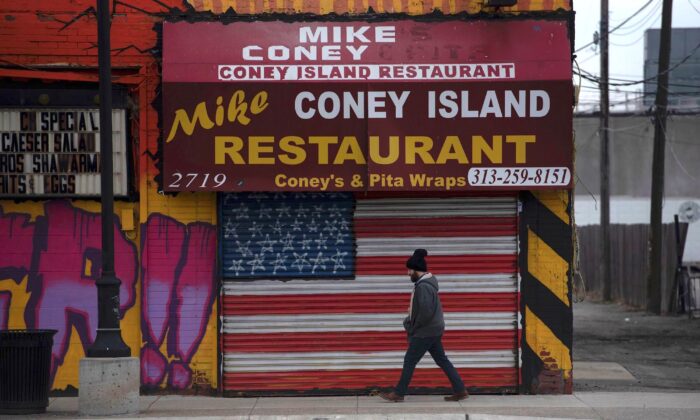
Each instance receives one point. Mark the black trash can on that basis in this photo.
(25, 368)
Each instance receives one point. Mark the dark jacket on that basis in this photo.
(426, 318)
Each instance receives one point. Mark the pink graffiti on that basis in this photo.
(177, 295)
(61, 253)
(68, 244)
(16, 251)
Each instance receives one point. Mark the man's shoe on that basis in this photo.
(391, 396)
(458, 396)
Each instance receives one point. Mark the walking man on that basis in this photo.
(424, 326)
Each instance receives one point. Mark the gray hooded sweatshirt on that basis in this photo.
(425, 319)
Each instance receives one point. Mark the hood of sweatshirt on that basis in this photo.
(429, 278)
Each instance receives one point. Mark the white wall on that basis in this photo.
(631, 210)
(631, 146)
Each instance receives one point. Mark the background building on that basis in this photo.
(684, 79)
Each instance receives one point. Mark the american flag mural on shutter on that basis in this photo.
(326, 335)
(287, 235)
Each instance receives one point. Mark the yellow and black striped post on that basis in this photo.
(545, 264)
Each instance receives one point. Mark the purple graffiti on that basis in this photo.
(68, 243)
(178, 291)
(4, 309)
(61, 253)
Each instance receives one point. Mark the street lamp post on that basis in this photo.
(108, 342)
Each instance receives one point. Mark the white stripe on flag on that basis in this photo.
(473, 245)
(253, 324)
(273, 362)
(446, 207)
(449, 283)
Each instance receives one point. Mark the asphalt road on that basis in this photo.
(662, 353)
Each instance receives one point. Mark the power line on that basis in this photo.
(675, 157)
(623, 82)
(693, 6)
(654, 14)
(631, 43)
(593, 89)
(596, 80)
(618, 26)
(588, 58)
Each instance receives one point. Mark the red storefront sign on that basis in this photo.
(355, 106)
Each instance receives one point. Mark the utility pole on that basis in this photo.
(657, 170)
(605, 154)
(108, 341)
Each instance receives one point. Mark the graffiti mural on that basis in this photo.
(16, 250)
(178, 291)
(60, 255)
(49, 262)
(68, 244)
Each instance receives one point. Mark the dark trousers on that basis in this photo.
(417, 346)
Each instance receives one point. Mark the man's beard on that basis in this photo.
(415, 277)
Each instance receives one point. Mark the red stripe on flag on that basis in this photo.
(363, 379)
(364, 341)
(362, 303)
(434, 227)
(438, 264)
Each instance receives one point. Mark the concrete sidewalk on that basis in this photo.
(583, 405)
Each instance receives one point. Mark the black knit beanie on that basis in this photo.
(417, 260)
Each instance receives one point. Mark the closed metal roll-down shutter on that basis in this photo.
(345, 335)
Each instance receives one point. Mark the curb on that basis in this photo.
(397, 416)
(498, 417)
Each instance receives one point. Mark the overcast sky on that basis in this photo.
(626, 43)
